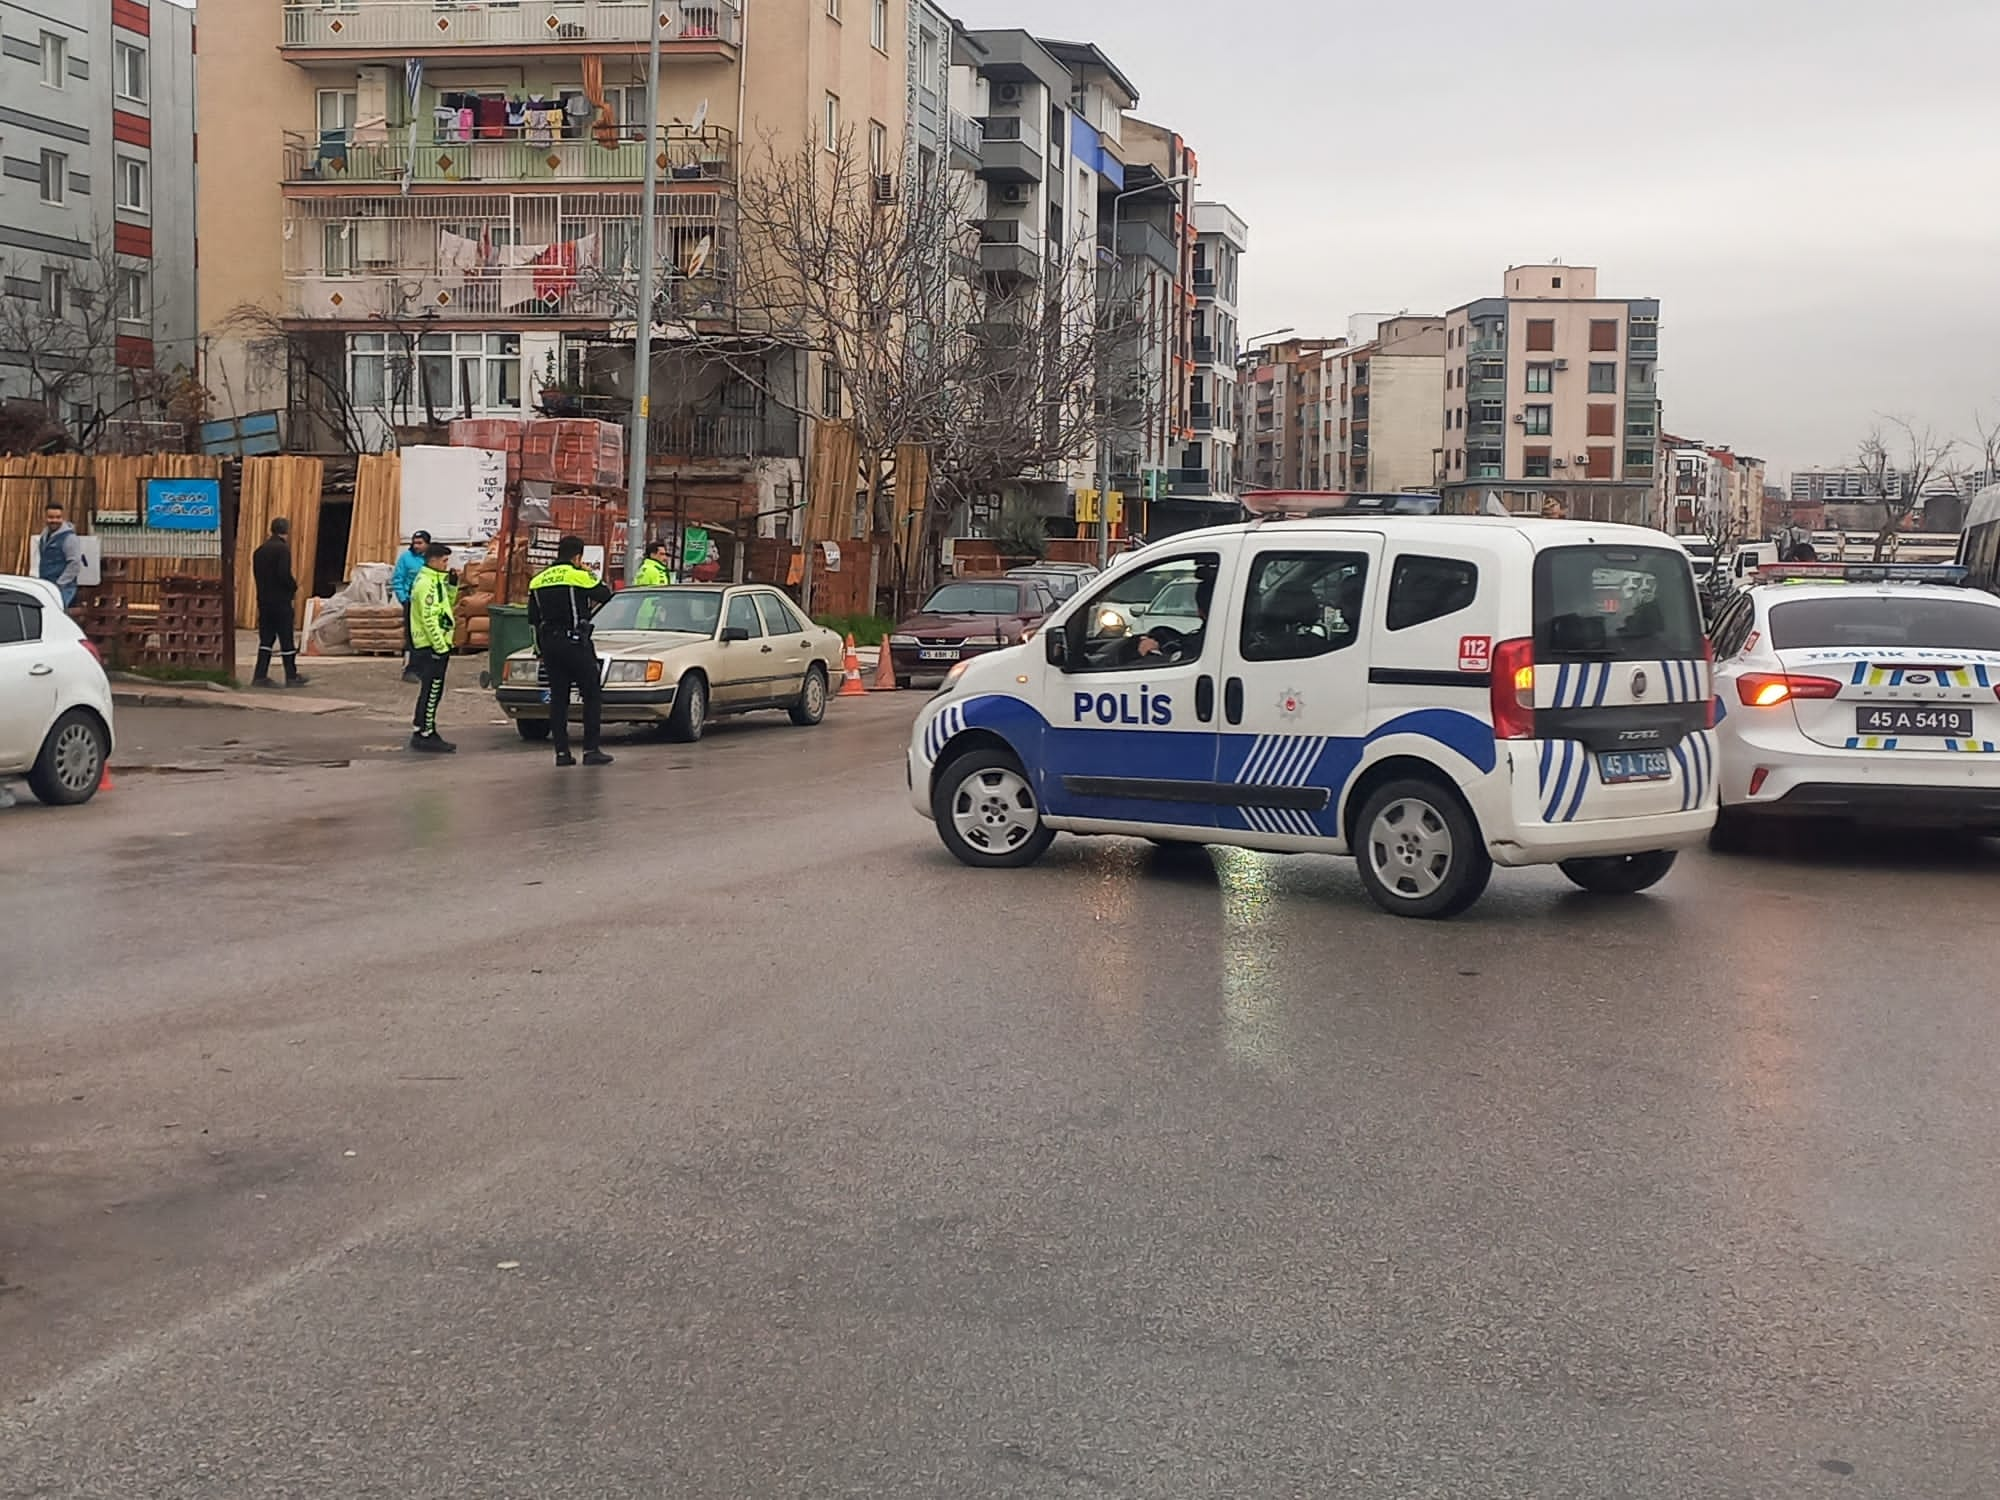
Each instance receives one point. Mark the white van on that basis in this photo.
(1436, 695)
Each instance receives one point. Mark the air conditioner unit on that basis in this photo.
(1014, 192)
(1559, 463)
(1520, 419)
(1010, 93)
(1561, 364)
(1583, 458)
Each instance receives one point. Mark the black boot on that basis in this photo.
(262, 676)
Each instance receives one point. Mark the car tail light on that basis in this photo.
(1513, 667)
(1769, 689)
(91, 646)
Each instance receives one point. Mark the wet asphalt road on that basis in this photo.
(697, 1128)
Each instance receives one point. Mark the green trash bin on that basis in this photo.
(508, 632)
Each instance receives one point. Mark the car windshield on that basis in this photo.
(1062, 585)
(693, 611)
(1608, 603)
(974, 599)
(1891, 620)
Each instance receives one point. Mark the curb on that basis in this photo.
(131, 697)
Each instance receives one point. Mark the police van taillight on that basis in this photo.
(1514, 690)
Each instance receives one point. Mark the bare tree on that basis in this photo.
(1898, 460)
(65, 337)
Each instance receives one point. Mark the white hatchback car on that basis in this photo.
(1858, 693)
(55, 701)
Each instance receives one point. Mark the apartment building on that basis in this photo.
(1281, 422)
(1550, 395)
(97, 204)
(1842, 486)
(1222, 239)
(1706, 489)
(435, 207)
(1381, 398)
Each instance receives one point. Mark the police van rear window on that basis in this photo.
(1608, 603)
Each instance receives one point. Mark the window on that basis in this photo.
(927, 59)
(1540, 420)
(1303, 604)
(776, 618)
(1541, 334)
(1541, 379)
(338, 109)
(1149, 618)
(130, 67)
(1603, 335)
(20, 618)
(878, 25)
(55, 61)
(743, 616)
(1887, 623)
(1535, 463)
(133, 296)
(1616, 603)
(1731, 630)
(55, 177)
(455, 372)
(55, 291)
(829, 389)
(1603, 379)
(1598, 464)
(1601, 420)
(833, 122)
(878, 148)
(1429, 588)
(134, 184)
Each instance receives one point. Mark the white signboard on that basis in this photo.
(456, 494)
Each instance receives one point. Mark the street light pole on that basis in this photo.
(642, 343)
(1104, 422)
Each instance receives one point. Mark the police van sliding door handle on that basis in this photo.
(1204, 697)
(1232, 700)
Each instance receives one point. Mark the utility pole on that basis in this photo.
(1104, 422)
(642, 343)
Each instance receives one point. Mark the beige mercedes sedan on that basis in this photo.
(684, 655)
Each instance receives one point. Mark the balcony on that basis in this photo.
(1141, 241)
(1204, 282)
(1643, 346)
(1204, 349)
(1010, 150)
(1488, 347)
(1188, 482)
(1485, 434)
(1201, 416)
(332, 159)
(968, 141)
(722, 434)
(511, 258)
(1005, 251)
(391, 30)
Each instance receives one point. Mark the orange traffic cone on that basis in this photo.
(885, 671)
(104, 781)
(850, 678)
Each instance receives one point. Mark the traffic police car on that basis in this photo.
(1868, 693)
(1436, 695)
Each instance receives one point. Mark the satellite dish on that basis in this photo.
(700, 257)
(700, 117)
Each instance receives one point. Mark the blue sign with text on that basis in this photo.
(184, 504)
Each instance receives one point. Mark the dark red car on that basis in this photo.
(964, 618)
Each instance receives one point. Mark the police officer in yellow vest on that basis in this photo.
(433, 598)
(653, 570)
(561, 601)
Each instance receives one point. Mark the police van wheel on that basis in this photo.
(1420, 852)
(532, 729)
(811, 707)
(987, 814)
(1620, 874)
(690, 715)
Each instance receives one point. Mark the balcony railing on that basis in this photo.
(533, 25)
(1488, 347)
(700, 434)
(1643, 346)
(966, 136)
(1144, 242)
(1486, 434)
(1489, 389)
(333, 156)
(1187, 482)
(1201, 416)
(1204, 349)
(1204, 281)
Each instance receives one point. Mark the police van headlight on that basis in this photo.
(952, 677)
(631, 672)
(985, 640)
(523, 669)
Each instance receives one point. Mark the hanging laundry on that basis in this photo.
(555, 273)
(458, 257)
(518, 273)
(465, 122)
(492, 115)
(542, 123)
(444, 123)
(517, 115)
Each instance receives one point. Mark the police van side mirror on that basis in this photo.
(734, 633)
(1055, 645)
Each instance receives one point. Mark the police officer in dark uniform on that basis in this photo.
(561, 601)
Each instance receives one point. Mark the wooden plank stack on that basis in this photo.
(375, 629)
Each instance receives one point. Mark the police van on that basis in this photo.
(1435, 695)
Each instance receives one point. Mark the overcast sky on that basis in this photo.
(1810, 187)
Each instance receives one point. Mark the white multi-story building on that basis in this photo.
(1222, 239)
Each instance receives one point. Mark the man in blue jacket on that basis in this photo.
(408, 566)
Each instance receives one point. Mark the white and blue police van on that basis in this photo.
(1435, 695)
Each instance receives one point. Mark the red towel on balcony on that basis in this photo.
(555, 273)
(492, 114)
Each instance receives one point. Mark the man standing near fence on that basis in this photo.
(433, 599)
(277, 598)
(58, 554)
(408, 566)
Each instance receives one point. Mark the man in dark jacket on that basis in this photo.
(277, 589)
(561, 601)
